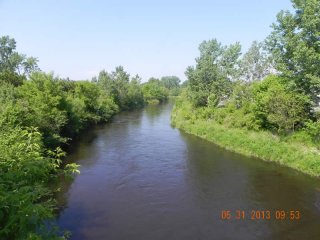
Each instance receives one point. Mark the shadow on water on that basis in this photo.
(77, 150)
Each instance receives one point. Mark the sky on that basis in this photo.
(78, 38)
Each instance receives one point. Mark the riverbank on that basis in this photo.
(263, 145)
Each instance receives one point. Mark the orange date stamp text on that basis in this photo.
(293, 215)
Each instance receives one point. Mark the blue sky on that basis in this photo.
(78, 38)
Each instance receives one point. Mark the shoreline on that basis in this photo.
(262, 145)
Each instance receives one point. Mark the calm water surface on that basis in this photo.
(142, 179)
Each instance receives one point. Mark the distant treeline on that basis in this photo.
(39, 113)
(272, 89)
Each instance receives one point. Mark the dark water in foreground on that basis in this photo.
(142, 179)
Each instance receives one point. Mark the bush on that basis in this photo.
(25, 169)
(313, 130)
(278, 107)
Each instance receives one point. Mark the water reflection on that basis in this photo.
(142, 179)
(152, 112)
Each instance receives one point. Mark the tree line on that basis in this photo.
(39, 114)
(274, 86)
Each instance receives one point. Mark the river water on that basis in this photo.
(142, 179)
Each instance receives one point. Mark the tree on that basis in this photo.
(13, 62)
(40, 105)
(121, 81)
(11, 78)
(116, 85)
(135, 94)
(255, 63)
(279, 107)
(215, 69)
(295, 45)
(154, 91)
(172, 83)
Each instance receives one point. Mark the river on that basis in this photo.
(142, 179)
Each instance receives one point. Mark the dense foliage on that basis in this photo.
(295, 45)
(39, 114)
(273, 87)
(154, 91)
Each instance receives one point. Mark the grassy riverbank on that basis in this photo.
(260, 144)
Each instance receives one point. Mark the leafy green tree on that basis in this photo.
(7, 104)
(40, 100)
(98, 106)
(25, 170)
(154, 91)
(126, 92)
(105, 82)
(135, 94)
(215, 69)
(255, 64)
(120, 80)
(295, 44)
(116, 85)
(13, 62)
(278, 107)
(11, 77)
(172, 83)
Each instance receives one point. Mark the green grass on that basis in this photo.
(261, 144)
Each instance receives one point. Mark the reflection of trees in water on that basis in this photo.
(85, 137)
(85, 149)
(200, 156)
(78, 150)
(208, 162)
(60, 187)
(132, 118)
(154, 111)
(202, 169)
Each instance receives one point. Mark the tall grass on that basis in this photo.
(260, 144)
